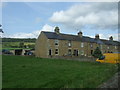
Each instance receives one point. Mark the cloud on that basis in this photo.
(95, 15)
(115, 36)
(47, 27)
(34, 34)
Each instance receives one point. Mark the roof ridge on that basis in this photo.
(78, 36)
(67, 34)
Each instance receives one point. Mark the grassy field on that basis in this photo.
(14, 48)
(31, 72)
(8, 45)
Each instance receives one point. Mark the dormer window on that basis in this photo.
(56, 42)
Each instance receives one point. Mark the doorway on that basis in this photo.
(91, 52)
(50, 52)
(75, 53)
(18, 52)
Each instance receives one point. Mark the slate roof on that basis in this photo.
(61, 36)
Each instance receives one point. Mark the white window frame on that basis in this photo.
(57, 51)
(82, 52)
(69, 53)
(91, 45)
(82, 44)
(56, 41)
(69, 43)
(77, 51)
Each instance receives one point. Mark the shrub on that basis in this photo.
(97, 53)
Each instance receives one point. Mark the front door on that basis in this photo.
(75, 53)
(50, 52)
(91, 52)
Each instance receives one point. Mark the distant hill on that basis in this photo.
(19, 40)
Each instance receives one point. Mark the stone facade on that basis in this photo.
(60, 45)
(41, 46)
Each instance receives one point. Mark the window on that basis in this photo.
(108, 47)
(82, 44)
(102, 58)
(82, 52)
(75, 53)
(56, 42)
(69, 43)
(56, 51)
(115, 47)
(91, 45)
(69, 52)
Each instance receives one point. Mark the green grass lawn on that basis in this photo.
(8, 45)
(15, 48)
(31, 72)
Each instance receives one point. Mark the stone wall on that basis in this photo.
(82, 58)
(41, 46)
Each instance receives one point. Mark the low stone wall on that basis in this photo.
(82, 58)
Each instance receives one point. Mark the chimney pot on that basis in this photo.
(97, 36)
(57, 30)
(111, 38)
(80, 33)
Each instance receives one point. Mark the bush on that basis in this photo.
(97, 53)
(21, 44)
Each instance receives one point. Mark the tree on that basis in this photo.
(21, 44)
(31, 45)
(97, 53)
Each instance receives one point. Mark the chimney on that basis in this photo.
(97, 36)
(80, 33)
(111, 38)
(56, 30)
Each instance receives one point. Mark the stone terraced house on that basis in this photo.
(56, 44)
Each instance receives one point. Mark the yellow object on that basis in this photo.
(109, 58)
